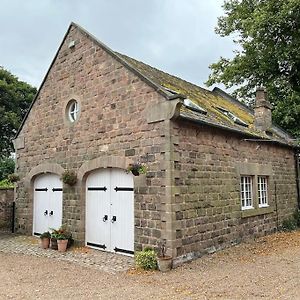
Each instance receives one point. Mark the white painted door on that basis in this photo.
(47, 210)
(110, 211)
(98, 209)
(122, 229)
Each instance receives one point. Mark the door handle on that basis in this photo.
(51, 213)
(105, 218)
(114, 219)
(46, 212)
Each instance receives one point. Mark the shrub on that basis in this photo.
(146, 259)
(5, 183)
(289, 224)
(7, 166)
(297, 217)
(13, 177)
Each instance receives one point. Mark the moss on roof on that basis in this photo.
(205, 99)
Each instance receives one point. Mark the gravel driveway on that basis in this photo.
(268, 268)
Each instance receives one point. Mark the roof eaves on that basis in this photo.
(241, 132)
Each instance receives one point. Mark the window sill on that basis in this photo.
(257, 211)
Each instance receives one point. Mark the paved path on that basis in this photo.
(29, 245)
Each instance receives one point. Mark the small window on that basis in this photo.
(73, 110)
(193, 106)
(232, 116)
(246, 192)
(262, 189)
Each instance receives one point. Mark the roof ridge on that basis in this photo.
(168, 74)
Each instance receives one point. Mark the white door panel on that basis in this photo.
(47, 210)
(122, 237)
(98, 209)
(116, 202)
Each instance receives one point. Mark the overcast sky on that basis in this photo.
(176, 36)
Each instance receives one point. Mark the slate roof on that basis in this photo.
(212, 102)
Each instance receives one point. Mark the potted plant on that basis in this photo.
(45, 239)
(53, 239)
(164, 261)
(136, 169)
(69, 177)
(62, 237)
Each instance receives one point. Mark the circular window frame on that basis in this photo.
(72, 117)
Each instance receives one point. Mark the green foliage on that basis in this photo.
(268, 35)
(15, 99)
(297, 217)
(69, 177)
(61, 234)
(137, 169)
(291, 223)
(5, 183)
(13, 177)
(45, 235)
(146, 259)
(7, 167)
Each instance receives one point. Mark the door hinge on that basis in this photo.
(104, 188)
(57, 190)
(96, 245)
(123, 189)
(41, 190)
(123, 250)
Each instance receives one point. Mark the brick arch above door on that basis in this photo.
(41, 169)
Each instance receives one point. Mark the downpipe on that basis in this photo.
(297, 167)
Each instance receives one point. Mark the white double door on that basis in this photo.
(110, 211)
(47, 203)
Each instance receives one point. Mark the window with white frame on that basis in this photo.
(246, 192)
(73, 110)
(262, 189)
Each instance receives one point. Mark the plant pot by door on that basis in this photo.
(135, 172)
(53, 243)
(45, 243)
(164, 263)
(62, 245)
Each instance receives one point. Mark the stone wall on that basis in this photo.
(207, 206)
(112, 131)
(6, 203)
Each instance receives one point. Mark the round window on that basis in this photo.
(73, 110)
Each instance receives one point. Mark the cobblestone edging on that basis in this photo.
(107, 262)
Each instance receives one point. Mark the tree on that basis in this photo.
(15, 99)
(7, 167)
(268, 35)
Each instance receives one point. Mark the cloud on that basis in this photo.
(173, 35)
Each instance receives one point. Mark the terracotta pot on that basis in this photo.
(45, 243)
(62, 245)
(53, 244)
(164, 263)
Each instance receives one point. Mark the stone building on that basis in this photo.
(218, 172)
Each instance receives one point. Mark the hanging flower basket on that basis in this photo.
(13, 178)
(69, 177)
(136, 169)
